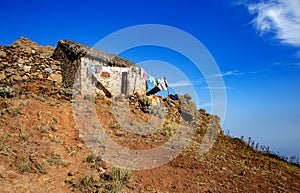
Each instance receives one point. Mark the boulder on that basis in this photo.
(55, 77)
(2, 54)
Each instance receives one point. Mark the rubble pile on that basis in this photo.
(26, 61)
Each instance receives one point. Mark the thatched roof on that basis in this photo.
(76, 50)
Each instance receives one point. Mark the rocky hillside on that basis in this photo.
(41, 149)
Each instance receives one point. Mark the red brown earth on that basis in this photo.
(41, 149)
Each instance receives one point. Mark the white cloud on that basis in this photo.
(260, 71)
(185, 83)
(279, 17)
(229, 73)
(217, 88)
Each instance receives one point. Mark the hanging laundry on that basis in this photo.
(153, 91)
(106, 69)
(174, 97)
(124, 70)
(162, 84)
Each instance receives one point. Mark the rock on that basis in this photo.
(25, 77)
(51, 136)
(54, 67)
(2, 54)
(26, 68)
(242, 173)
(2, 76)
(21, 61)
(56, 78)
(16, 77)
(7, 92)
(96, 177)
(9, 174)
(187, 96)
(101, 170)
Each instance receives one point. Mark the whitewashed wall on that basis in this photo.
(135, 81)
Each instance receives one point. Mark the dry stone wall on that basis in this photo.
(26, 61)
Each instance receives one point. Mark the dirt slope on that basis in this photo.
(41, 149)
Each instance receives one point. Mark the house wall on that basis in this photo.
(110, 77)
(69, 65)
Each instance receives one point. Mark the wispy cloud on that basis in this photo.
(217, 88)
(279, 17)
(260, 71)
(228, 73)
(210, 104)
(238, 73)
(286, 64)
(185, 83)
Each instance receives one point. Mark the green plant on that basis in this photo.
(115, 126)
(119, 177)
(90, 158)
(14, 110)
(85, 184)
(22, 134)
(43, 129)
(24, 167)
(42, 169)
(55, 159)
(169, 130)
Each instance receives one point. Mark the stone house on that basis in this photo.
(111, 74)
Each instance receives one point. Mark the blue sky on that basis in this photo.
(256, 45)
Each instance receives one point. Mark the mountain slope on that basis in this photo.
(41, 149)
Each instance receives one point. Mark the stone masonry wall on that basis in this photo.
(111, 80)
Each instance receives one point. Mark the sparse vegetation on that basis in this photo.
(118, 177)
(42, 169)
(112, 183)
(38, 135)
(14, 109)
(22, 133)
(263, 150)
(24, 167)
(169, 130)
(116, 126)
(56, 159)
(85, 184)
(90, 158)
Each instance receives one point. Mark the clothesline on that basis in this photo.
(161, 83)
